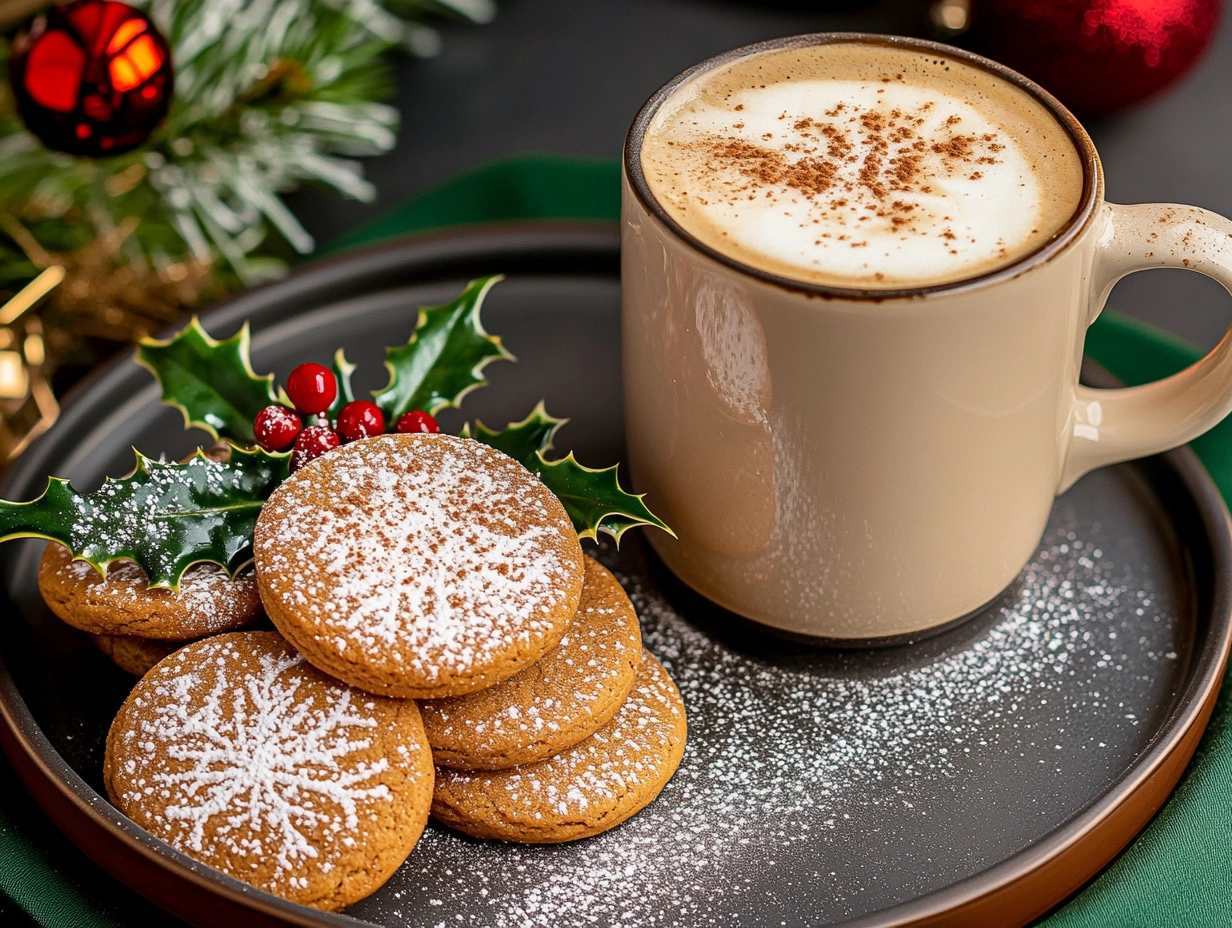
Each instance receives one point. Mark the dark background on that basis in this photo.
(569, 75)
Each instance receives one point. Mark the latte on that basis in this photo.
(861, 165)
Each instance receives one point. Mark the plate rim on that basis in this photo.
(1016, 890)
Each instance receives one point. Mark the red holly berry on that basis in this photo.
(360, 419)
(416, 421)
(276, 427)
(312, 388)
(313, 442)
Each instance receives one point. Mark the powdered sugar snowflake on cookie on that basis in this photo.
(241, 755)
(256, 756)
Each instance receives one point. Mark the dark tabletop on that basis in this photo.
(569, 75)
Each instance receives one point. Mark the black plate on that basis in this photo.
(980, 776)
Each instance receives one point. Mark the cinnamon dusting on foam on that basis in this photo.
(852, 164)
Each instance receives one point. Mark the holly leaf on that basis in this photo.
(343, 369)
(445, 357)
(520, 440)
(211, 382)
(165, 516)
(594, 499)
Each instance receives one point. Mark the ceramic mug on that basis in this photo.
(867, 465)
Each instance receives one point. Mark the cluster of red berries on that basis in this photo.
(313, 389)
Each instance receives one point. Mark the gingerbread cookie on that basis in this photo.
(241, 755)
(418, 565)
(135, 655)
(208, 600)
(563, 698)
(584, 790)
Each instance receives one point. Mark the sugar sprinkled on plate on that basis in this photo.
(803, 773)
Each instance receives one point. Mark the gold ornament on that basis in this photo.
(27, 405)
(100, 303)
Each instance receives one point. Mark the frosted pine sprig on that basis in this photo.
(269, 95)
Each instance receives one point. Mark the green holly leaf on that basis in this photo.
(520, 440)
(164, 516)
(343, 369)
(211, 382)
(445, 357)
(594, 499)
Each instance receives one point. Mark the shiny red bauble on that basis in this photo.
(313, 442)
(92, 77)
(1096, 56)
(312, 388)
(416, 421)
(360, 419)
(276, 427)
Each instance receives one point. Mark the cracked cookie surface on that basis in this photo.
(418, 565)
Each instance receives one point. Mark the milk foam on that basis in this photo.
(857, 165)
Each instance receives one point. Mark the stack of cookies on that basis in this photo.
(445, 571)
(445, 648)
(569, 747)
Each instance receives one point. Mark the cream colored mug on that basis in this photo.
(854, 465)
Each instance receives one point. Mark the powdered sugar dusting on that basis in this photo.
(624, 756)
(807, 771)
(439, 554)
(248, 766)
(565, 690)
(206, 591)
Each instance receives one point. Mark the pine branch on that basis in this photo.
(270, 94)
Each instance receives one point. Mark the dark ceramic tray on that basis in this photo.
(977, 778)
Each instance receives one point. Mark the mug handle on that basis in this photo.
(1108, 426)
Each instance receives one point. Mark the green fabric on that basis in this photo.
(1177, 873)
(43, 892)
(38, 872)
(1179, 870)
(519, 187)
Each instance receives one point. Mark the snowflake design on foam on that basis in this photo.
(267, 763)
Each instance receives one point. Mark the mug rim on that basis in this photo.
(1092, 171)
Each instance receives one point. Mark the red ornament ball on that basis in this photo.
(416, 421)
(360, 419)
(276, 427)
(1096, 56)
(312, 388)
(92, 77)
(313, 442)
